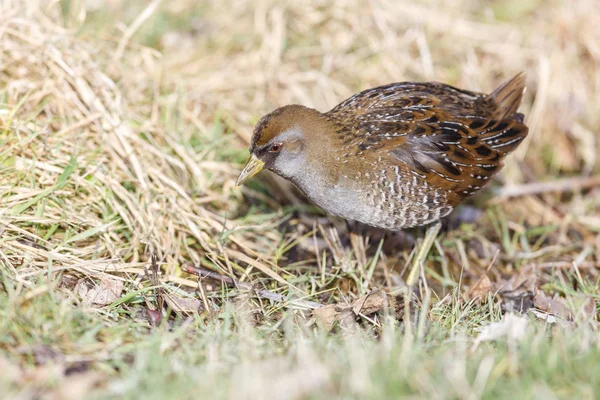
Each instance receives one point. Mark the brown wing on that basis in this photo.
(460, 155)
(455, 139)
(400, 100)
(387, 101)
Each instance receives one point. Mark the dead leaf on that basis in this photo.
(481, 289)
(371, 303)
(555, 305)
(346, 314)
(542, 301)
(524, 281)
(327, 316)
(102, 293)
(517, 293)
(185, 305)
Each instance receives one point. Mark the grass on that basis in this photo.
(124, 126)
(229, 357)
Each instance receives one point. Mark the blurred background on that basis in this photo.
(244, 58)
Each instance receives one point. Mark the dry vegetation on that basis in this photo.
(124, 126)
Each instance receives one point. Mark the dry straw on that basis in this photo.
(111, 151)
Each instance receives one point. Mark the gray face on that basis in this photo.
(284, 154)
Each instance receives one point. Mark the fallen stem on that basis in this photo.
(559, 185)
(266, 294)
(568, 264)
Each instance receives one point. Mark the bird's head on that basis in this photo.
(282, 142)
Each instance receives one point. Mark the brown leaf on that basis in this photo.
(481, 289)
(346, 314)
(102, 293)
(524, 281)
(579, 306)
(328, 315)
(541, 301)
(555, 305)
(517, 293)
(371, 303)
(183, 304)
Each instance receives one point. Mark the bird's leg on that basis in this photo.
(422, 251)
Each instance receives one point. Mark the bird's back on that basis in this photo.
(429, 145)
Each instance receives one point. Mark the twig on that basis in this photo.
(559, 185)
(568, 264)
(204, 273)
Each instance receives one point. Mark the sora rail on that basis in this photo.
(395, 156)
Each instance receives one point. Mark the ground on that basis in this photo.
(130, 267)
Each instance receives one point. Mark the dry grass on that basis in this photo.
(113, 152)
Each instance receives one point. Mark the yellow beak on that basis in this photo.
(253, 167)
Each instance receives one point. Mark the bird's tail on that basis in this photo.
(507, 98)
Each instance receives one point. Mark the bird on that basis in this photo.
(396, 156)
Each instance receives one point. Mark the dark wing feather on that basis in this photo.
(460, 155)
(412, 96)
(502, 103)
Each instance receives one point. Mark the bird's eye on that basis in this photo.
(275, 148)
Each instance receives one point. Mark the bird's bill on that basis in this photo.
(253, 167)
